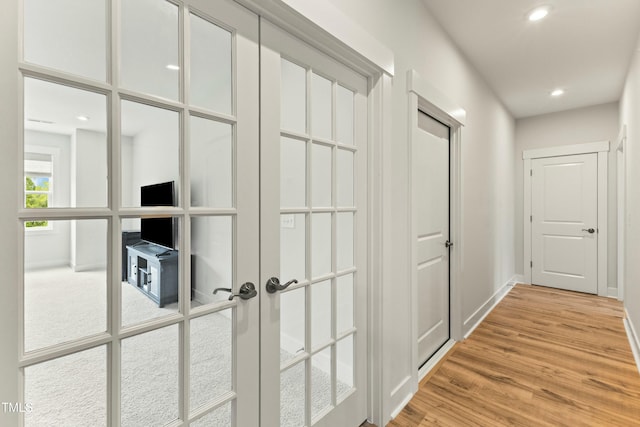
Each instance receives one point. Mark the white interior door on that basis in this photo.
(313, 234)
(118, 321)
(564, 232)
(430, 157)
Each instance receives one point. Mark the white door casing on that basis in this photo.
(565, 222)
(430, 156)
(600, 149)
(621, 208)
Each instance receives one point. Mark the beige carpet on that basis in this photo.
(61, 305)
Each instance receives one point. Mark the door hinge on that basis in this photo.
(530, 263)
(530, 172)
(530, 218)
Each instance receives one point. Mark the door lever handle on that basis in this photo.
(273, 284)
(448, 244)
(247, 291)
(589, 230)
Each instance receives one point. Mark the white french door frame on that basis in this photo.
(10, 165)
(602, 150)
(423, 96)
(319, 25)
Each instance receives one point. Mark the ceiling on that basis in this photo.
(582, 46)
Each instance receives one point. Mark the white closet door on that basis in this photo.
(564, 205)
(430, 157)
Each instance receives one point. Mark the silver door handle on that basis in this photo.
(273, 285)
(589, 230)
(247, 291)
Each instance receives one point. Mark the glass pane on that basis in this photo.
(211, 85)
(65, 140)
(211, 258)
(293, 247)
(220, 417)
(292, 323)
(344, 358)
(68, 35)
(211, 356)
(292, 396)
(69, 391)
(150, 150)
(293, 97)
(345, 240)
(149, 47)
(320, 107)
(345, 178)
(150, 364)
(344, 303)
(150, 270)
(321, 244)
(344, 116)
(321, 383)
(293, 173)
(65, 282)
(211, 163)
(321, 176)
(320, 313)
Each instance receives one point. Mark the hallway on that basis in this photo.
(543, 357)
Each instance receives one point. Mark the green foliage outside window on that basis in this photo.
(37, 196)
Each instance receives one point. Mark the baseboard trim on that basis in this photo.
(612, 292)
(634, 342)
(519, 278)
(404, 402)
(435, 360)
(476, 318)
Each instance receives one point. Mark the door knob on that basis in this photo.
(589, 230)
(247, 291)
(448, 244)
(273, 285)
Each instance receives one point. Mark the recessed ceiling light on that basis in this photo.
(173, 67)
(82, 118)
(557, 92)
(538, 13)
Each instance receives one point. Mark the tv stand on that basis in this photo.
(153, 270)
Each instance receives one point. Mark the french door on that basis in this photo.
(313, 235)
(134, 311)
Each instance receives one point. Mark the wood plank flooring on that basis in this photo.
(543, 357)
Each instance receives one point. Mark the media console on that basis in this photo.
(153, 269)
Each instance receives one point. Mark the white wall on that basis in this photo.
(630, 116)
(89, 188)
(590, 124)
(487, 247)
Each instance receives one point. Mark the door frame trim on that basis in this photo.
(621, 199)
(427, 98)
(601, 148)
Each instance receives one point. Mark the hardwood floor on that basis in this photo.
(543, 357)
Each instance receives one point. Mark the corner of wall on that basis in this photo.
(473, 321)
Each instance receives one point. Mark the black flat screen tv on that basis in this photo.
(159, 231)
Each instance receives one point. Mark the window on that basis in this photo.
(38, 190)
